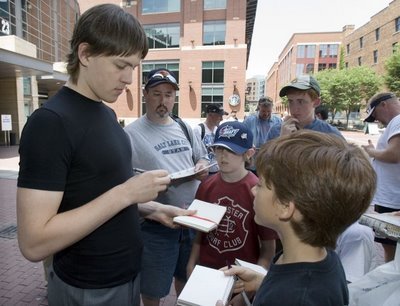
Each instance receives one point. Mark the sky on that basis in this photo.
(277, 20)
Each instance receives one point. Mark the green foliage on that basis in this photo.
(341, 58)
(392, 77)
(347, 89)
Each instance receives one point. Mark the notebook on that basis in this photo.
(250, 265)
(205, 287)
(207, 217)
(188, 172)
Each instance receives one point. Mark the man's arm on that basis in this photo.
(390, 155)
(42, 231)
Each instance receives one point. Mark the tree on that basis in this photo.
(392, 77)
(347, 89)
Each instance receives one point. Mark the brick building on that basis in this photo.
(206, 43)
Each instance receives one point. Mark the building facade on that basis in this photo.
(371, 44)
(34, 38)
(255, 89)
(305, 53)
(205, 43)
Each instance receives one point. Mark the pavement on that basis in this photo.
(22, 282)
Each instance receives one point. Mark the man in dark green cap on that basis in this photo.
(303, 94)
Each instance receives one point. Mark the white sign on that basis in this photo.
(234, 100)
(6, 124)
(4, 26)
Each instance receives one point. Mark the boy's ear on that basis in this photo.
(286, 211)
(317, 102)
(250, 152)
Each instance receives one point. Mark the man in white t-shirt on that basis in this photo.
(385, 108)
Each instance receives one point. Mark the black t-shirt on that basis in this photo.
(304, 284)
(75, 145)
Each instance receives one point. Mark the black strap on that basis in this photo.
(203, 130)
(185, 131)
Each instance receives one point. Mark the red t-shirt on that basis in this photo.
(237, 236)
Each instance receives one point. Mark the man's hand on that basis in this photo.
(368, 148)
(145, 187)
(201, 164)
(289, 125)
(163, 213)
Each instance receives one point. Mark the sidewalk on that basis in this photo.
(22, 282)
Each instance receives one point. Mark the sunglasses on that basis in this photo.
(159, 76)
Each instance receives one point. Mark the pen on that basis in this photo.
(138, 170)
(243, 293)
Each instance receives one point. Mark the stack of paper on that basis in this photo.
(205, 287)
(207, 217)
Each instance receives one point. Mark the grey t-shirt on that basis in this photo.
(158, 146)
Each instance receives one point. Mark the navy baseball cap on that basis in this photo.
(160, 76)
(302, 82)
(235, 136)
(214, 108)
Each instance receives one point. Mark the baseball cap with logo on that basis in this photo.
(234, 136)
(216, 109)
(303, 82)
(374, 103)
(160, 76)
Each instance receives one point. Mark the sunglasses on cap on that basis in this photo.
(159, 76)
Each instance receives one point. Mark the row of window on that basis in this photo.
(377, 35)
(309, 68)
(325, 50)
(174, 6)
(167, 35)
(212, 78)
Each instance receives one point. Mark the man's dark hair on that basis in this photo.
(108, 30)
(323, 111)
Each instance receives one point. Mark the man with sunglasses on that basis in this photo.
(159, 142)
(385, 108)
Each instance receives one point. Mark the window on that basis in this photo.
(214, 4)
(156, 6)
(214, 32)
(359, 61)
(301, 51)
(375, 56)
(361, 42)
(397, 24)
(333, 51)
(377, 33)
(321, 66)
(299, 69)
(210, 95)
(348, 48)
(332, 66)
(310, 51)
(346, 64)
(163, 35)
(323, 50)
(212, 72)
(173, 67)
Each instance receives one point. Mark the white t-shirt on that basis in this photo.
(388, 186)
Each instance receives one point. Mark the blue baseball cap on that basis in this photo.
(160, 76)
(235, 136)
